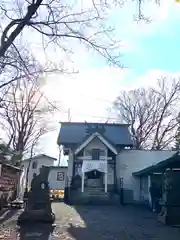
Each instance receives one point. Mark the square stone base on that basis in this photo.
(170, 216)
(36, 216)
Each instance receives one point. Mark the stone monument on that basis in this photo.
(38, 207)
(170, 205)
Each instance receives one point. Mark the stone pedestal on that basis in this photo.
(170, 211)
(38, 207)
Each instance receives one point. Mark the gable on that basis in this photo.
(95, 143)
(91, 138)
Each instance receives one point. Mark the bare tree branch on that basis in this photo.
(152, 113)
(22, 116)
(21, 23)
(57, 21)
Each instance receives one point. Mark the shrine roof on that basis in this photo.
(75, 132)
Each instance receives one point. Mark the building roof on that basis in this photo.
(40, 156)
(56, 167)
(172, 162)
(76, 132)
(10, 165)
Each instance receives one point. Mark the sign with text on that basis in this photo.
(60, 176)
(90, 165)
(8, 178)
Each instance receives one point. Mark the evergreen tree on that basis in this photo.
(5, 152)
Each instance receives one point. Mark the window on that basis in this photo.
(34, 165)
(95, 154)
(102, 153)
(60, 176)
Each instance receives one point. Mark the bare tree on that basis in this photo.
(152, 113)
(56, 21)
(176, 145)
(23, 117)
(168, 99)
(19, 64)
(29, 163)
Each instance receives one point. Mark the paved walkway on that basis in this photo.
(93, 223)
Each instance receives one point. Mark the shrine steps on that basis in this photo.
(93, 196)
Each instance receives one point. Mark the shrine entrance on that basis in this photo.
(94, 179)
(94, 173)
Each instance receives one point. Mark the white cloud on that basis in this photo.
(150, 78)
(124, 18)
(129, 46)
(87, 93)
(91, 92)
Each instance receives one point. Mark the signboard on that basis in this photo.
(8, 178)
(60, 176)
(94, 165)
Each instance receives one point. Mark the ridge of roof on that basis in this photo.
(40, 155)
(54, 167)
(97, 123)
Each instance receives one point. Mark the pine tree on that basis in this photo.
(5, 151)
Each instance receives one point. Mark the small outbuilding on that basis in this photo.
(57, 180)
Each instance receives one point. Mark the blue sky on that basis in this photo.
(153, 46)
(158, 49)
(149, 51)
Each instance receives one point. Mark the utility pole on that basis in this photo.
(69, 115)
(60, 155)
(61, 147)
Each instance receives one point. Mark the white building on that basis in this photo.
(57, 177)
(131, 161)
(57, 174)
(100, 163)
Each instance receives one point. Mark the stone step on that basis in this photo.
(95, 193)
(101, 198)
(94, 189)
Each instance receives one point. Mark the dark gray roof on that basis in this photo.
(39, 156)
(10, 165)
(57, 167)
(76, 132)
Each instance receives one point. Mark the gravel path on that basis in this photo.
(93, 223)
(110, 222)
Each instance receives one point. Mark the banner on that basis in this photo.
(89, 165)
